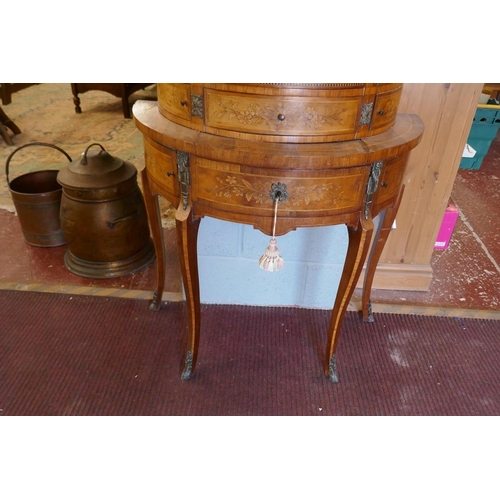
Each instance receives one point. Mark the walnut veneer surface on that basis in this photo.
(231, 178)
(282, 112)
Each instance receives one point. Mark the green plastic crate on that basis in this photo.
(483, 130)
(485, 116)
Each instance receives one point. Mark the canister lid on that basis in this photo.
(95, 169)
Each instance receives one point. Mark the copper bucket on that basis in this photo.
(103, 216)
(37, 199)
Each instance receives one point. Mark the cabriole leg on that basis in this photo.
(187, 238)
(386, 217)
(154, 217)
(359, 240)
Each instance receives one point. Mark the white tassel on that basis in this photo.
(271, 260)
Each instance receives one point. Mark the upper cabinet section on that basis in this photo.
(300, 113)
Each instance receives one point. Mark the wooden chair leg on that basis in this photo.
(5, 124)
(125, 104)
(5, 135)
(5, 93)
(76, 99)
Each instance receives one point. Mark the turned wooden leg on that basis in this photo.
(125, 103)
(386, 217)
(76, 102)
(5, 135)
(7, 122)
(359, 241)
(154, 217)
(187, 238)
(76, 99)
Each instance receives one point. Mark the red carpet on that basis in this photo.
(77, 355)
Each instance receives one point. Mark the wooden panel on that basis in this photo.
(291, 113)
(447, 111)
(281, 116)
(176, 99)
(226, 187)
(411, 277)
(162, 169)
(389, 182)
(385, 110)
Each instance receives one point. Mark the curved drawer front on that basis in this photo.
(175, 99)
(385, 110)
(307, 113)
(281, 115)
(237, 189)
(391, 178)
(162, 168)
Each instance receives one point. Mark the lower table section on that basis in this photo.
(246, 182)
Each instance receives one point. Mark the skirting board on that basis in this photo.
(410, 277)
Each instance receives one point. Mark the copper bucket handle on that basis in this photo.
(31, 144)
(83, 161)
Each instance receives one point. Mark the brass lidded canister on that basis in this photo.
(103, 216)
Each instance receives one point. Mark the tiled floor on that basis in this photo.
(466, 275)
(27, 267)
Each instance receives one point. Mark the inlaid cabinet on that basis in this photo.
(277, 157)
(280, 112)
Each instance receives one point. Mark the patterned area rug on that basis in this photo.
(46, 113)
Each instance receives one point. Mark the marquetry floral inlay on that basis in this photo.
(294, 116)
(258, 191)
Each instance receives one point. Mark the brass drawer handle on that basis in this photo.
(281, 117)
(184, 103)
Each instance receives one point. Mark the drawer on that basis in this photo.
(175, 98)
(390, 181)
(162, 169)
(281, 115)
(385, 109)
(234, 188)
